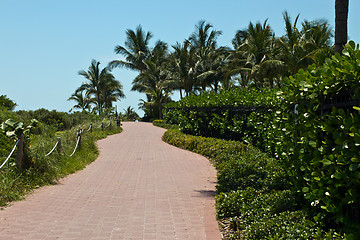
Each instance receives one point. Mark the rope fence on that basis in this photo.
(52, 150)
(57, 145)
(11, 153)
(78, 142)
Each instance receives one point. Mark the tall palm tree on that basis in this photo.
(202, 42)
(203, 38)
(316, 40)
(83, 101)
(153, 81)
(255, 55)
(291, 49)
(102, 84)
(130, 114)
(136, 50)
(181, 65)
(112, 91)
(215, 69)
(341, 18)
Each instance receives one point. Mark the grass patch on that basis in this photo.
(45, 170)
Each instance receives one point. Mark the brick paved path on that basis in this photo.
(138, 188)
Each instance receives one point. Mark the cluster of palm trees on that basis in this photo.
(99, 91)
(258, 58)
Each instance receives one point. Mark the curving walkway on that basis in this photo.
(138, 188)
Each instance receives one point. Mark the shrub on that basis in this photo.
(310, 125)
(163, 124)
(254, 198)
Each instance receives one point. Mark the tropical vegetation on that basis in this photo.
(101, 89)
(258, 58)
(37, 167)
(254, 200)
(308, 125)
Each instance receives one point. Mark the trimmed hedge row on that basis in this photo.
(310, 125)
(253, 194)
(163, 124)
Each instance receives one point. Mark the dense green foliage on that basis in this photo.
(253, 191)
(310, 125)
(6, 103)
(163, 124)
(257, 58)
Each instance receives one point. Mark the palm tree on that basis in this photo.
(341, 16)
(111, 91)
(136, 50)
(316, 40)
(83, 100)
(153, 81)
(215, 69)
(202, 43)
(181, 68)
(298, 47)
(292, 52)
(255, 55)
(130, 114)
(102, 84)
(203, 38)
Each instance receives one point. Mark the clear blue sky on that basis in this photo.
(45, 43)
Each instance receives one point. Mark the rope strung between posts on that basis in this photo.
(52, 150)
(77, 144)
(12, 151)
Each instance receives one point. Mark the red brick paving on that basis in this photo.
(138, 188)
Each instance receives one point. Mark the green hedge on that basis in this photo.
(252, 191)
(315, 139)
(163, 124)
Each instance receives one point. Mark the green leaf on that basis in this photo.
(10, 133)
(354, 167)
(312, 143)
(305, 189)
(327, 162)
(10, 122)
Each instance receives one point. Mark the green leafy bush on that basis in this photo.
(310, 125)
(256, 200)
(163, 124)
(250, 169)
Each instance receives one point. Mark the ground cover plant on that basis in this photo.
(42, 170)
(309, 125)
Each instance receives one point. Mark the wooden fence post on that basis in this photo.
(79, 137)
(20, 152)
(59, 146)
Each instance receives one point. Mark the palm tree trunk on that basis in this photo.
(341, 16)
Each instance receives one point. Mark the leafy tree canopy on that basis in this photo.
(6, 103)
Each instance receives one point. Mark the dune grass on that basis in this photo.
(45, 170)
